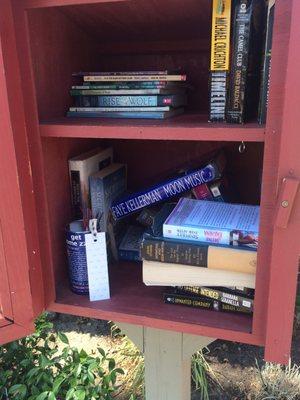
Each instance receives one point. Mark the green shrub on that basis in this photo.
(34, 369)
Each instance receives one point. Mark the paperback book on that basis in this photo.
(220, 56)
(126, 114)
(80, 168)
(165, 190)
(130, 246)
(202, 302)
(213, 222)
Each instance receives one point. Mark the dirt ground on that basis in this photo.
(234, 364)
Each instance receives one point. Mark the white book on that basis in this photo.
(80, 169)
(166, 274)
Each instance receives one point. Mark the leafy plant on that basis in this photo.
(33, 368)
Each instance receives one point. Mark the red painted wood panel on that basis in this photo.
(59, 3)
(11, 332)
(11, 210)
(286, 244)
(5, 301)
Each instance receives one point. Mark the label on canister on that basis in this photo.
(78, 272)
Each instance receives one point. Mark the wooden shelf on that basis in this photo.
(184, 127)
(133, 302)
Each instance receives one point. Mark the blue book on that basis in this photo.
(174, 100)
(130, 246)
(213, 222)
(165, 190)
(105, 187)
(126, 114)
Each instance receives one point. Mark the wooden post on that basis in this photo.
(167, 360)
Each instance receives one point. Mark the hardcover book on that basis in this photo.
(213, 222)
(202, 302)
(119, 109)
(80, 168)
(105, 186)
(167, 274)
(221, 294)
(164, 191)
(130, 246)
(219, 64)
(245, 64)
(266, 65)
(126, 114)
(199, 254)
(86, 91)
(176, 100)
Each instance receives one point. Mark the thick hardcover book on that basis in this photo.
(266, 65)
(126, 92)
(80, 168)
(130, 246)
(199, 255)
(213, 222)
(176, 100)
(119, 109)
(245, 64)
(126, 114)
(165, 190)
(130, 78)
(105, 187)
(220, 294)
(202, 302)
(167, 274)
(219, 64)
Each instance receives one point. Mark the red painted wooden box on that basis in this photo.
(42, 43)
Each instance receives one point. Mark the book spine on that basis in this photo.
(115, 92)
(118, 109)
(222, 296)
(239, 65)
(220, 56)
(164, 191)
(265, 80)
(202, 302)
(76, 193)
(202, 192)
(129, 255)
(198, 234)
(175, 252)
(97, 198)
(130, 78)
(130, 101)
(121, 73)
(125, 85)
(128, 114)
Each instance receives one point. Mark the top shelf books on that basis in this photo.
(182, 41)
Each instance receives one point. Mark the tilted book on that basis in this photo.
(165, 190)
(199, 254)
(167, 274)
(80, 168)
(213, 222)
(105, 186)
(176, 100)
(219, 62)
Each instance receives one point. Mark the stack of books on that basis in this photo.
(241, 44)
(207, 253)
(135, 94)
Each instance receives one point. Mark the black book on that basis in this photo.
(173, 297)
(221, 294)
(247, 40)
(266, 66)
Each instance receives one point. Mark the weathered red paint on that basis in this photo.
(50, 139)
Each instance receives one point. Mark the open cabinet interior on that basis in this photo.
(119, 36)
(148, 162)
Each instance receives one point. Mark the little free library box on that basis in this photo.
(42, 43)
